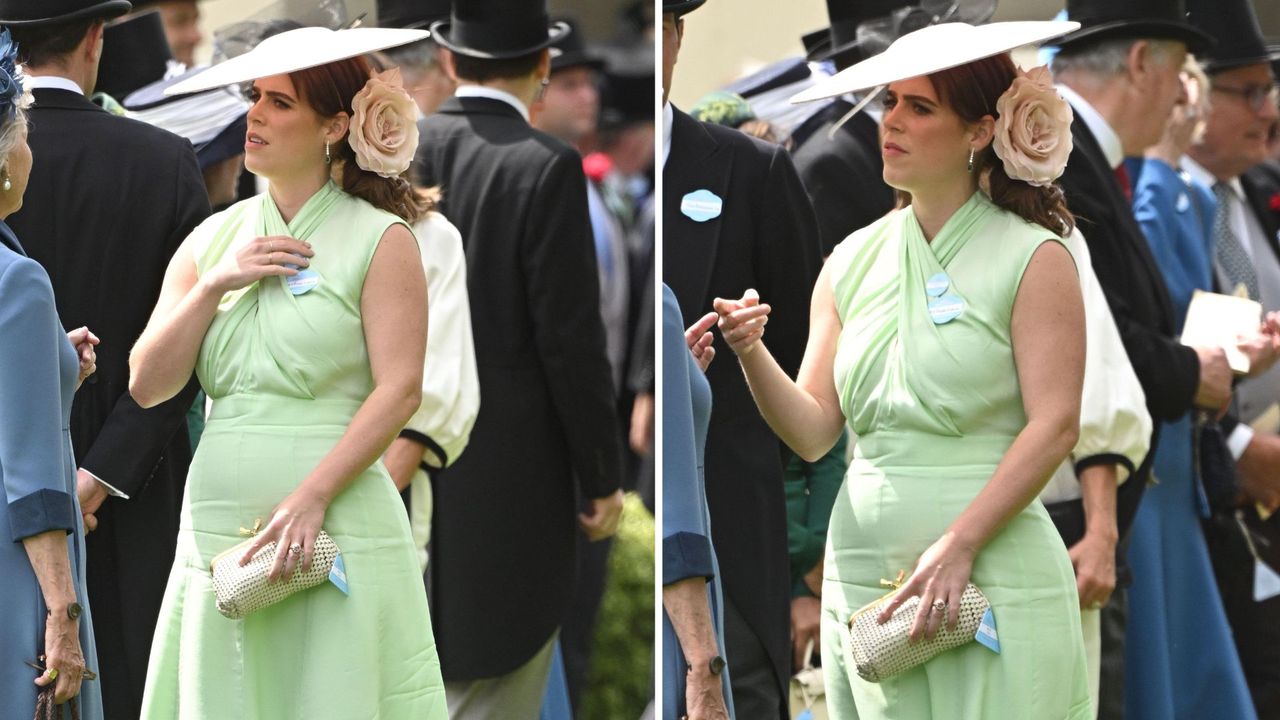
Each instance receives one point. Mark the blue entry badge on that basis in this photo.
(1183, 203)
(937, 284)
(338, 574)
(304, 282)
(701, 205)
(945, 309)
(805, 714)
(987, 632)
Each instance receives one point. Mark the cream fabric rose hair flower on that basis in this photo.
(1033, 132)
(384, 131)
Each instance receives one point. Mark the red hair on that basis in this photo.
(329, 90)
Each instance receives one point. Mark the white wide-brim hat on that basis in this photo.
(295, 50)
(933, 49)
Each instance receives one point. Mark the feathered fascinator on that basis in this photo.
(13, 94)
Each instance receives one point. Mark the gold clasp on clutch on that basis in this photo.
(257, 525)
(895, 584)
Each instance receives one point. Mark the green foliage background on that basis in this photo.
(621, 674)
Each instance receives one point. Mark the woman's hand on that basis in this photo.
(699, 338)
(294, 525)
(62, 653)
(742, 321)
(704, 695)
(261, 258)
(83, 340)
(941, 574)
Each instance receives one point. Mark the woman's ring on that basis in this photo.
(939, 606)
(295, 549)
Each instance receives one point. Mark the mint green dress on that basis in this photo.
(286, 373)
(934, 408)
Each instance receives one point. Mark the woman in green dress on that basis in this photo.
(949, 336)
(303, 313)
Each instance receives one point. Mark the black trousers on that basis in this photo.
(755, 689)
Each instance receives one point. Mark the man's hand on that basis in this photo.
(1259, 468)
(806, 617)
(1261, 350)
(601, 521)
(402, 460)
(641, 437)
(90, 492)
(1214, 391)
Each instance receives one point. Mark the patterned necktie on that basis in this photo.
(1227, 250)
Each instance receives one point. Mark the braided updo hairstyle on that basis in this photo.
(329, 89)
(971, 91)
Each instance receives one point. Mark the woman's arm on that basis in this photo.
(805, 413)
(47, 552)
(686, 605)
(1048, 350)
(393, 309)
(164, 357)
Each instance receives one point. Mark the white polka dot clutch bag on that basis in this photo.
(881, 651)
(240, 590)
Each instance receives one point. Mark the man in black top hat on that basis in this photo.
(503, 559)
(1120, 72)
(421, 63)
(109, 201)
(135, 53)
(1244, 98)
(735, 216)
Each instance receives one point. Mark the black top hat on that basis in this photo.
(1161, 19)
(627, 97)
(25, 13)
(845, 17)
(815, 42)
(680, 7)
(1235, 28)
(498, 29)
(411, 14)
(573, 50)
(135, 53)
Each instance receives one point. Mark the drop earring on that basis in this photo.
(8, 184)
(970, 159)
(328, 159)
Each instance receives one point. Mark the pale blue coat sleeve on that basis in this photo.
(686, 542)
(33, 451)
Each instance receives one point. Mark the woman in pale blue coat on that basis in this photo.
(693, 617)
(43, 605)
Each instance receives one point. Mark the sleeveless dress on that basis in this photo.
(935, 407)
(286, 373)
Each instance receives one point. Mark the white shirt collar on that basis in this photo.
(53, 82)
(667, 117)
(1206, 178)
(481, 91)
(1107, 138)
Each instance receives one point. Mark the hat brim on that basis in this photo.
(1196, 40)
(1271, 56)
(682, 8)
(825, 51)
(296, 50)
(933, 49)
(577, 58)
(104, 10)
(556, 31)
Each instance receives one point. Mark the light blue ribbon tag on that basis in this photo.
(1266, 584)
(987, 632)
(805, 714)
(945, 309)
(701, 205)
(304, 282)
(1182, 203)
(338, 574)
(937, 284)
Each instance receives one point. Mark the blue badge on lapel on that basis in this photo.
(937, 284)
(1182, 203)
(305, 281)
(945, 309)
(701, 205)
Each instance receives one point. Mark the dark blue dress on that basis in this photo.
(686, 525)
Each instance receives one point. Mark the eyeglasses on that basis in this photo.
(1256, 96)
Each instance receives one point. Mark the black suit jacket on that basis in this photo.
(502, 562)
(1168, 371)
(765, 238)
(844, 174)
(108, 203)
